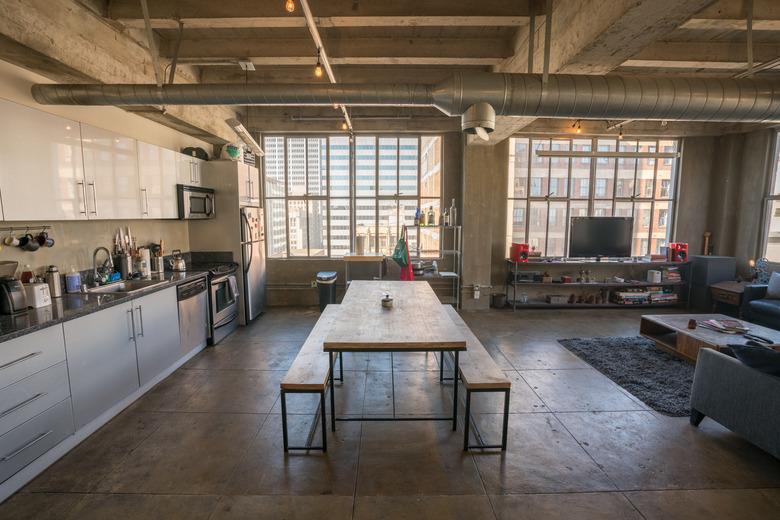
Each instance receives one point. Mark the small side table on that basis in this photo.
(728, 293)
(377, 258)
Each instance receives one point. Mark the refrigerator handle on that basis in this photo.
(248, 239)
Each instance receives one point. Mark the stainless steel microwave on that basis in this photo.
(195, 202)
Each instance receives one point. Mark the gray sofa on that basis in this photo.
(740, 398)
(757, 308)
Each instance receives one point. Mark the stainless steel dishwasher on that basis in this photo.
(193, 314)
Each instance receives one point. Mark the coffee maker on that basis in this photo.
(13, 299)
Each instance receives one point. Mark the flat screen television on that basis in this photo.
(600, 236)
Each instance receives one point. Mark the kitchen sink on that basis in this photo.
(126, 287)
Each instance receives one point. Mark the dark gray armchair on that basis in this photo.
(740, 398)
(757, 308)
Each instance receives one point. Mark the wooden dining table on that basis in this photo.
(417, 322)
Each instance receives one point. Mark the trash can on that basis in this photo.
(326, 284)
(498, 300)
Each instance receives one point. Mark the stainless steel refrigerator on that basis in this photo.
(253, 261)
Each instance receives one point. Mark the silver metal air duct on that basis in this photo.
(564, 96)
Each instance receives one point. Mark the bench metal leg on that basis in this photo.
(441, 368)
(467, 421)
(332, 396)
(284, 420)
(308, 446)
(324, 428)
(341, 367)
(455, 393)
(504, 426)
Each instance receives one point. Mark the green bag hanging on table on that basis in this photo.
(401, 252)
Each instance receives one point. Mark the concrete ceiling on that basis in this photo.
(424, 42)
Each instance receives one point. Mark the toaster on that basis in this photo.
(38, 295)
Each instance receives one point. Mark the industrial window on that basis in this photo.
(590, 176)
(323, 191)
(771, 243)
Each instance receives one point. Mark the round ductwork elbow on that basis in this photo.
(479, 119)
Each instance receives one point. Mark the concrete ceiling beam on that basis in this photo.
(730, 15)
(130, 9)
(65, 39)
(725, 53)
(304, 49)
(273, 22)
(594, 37)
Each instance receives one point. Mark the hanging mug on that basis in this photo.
(28, 243)
(41, 238)
(11, 240)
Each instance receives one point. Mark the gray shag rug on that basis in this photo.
(662, 381)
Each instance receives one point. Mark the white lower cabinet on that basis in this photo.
(157, 333)
(31, 439)
(101, 360)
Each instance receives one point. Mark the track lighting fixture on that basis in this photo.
(620, 132)
(318, 67)
(289, 5)
(576, 126)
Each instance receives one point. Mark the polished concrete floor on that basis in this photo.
(207, 442)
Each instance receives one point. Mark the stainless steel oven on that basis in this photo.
(224, 306)
(195, 202)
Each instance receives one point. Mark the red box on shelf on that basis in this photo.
(519, 253)
(678, 252)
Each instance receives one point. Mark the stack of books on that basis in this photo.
(725, 326)
(632, 297)
(670, 274)
(662, 297)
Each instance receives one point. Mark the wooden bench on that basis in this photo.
(479, 373)
(309, 374)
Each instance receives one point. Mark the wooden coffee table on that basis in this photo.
(671, 333)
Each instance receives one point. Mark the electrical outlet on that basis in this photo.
(476, 291)
(314, 284)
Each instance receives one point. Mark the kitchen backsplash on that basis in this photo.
(74, 242)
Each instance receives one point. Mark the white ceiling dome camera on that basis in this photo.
(479, 119)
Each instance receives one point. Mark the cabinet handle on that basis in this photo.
(146, 200)
(84, 196)
(141, 319)
(22, 404)
(94, 197)
(23, 358)
(132, 325)
(30, 444)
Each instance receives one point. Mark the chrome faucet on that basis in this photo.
(107, 268)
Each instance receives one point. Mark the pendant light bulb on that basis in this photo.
(289, 5)
(620, 133)
(579, 127)
(318, 67)
(344, 125)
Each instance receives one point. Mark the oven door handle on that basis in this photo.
(233, 286)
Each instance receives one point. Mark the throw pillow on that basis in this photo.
(763, 359)
(773, 289)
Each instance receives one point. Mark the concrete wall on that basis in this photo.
(694, 187)
(484, 221)
(739, 177)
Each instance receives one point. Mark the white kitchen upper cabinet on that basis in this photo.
(41, 168)
(188, 171)
(248, 185)
(157, 169)
(111, 173)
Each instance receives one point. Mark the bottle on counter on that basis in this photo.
(73, 281)
(453, 212)
(54, 281)
(417, 217)
(431, 217)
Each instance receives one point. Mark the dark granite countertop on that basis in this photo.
(71, 306)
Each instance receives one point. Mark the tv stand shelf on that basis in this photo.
(634, 272)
